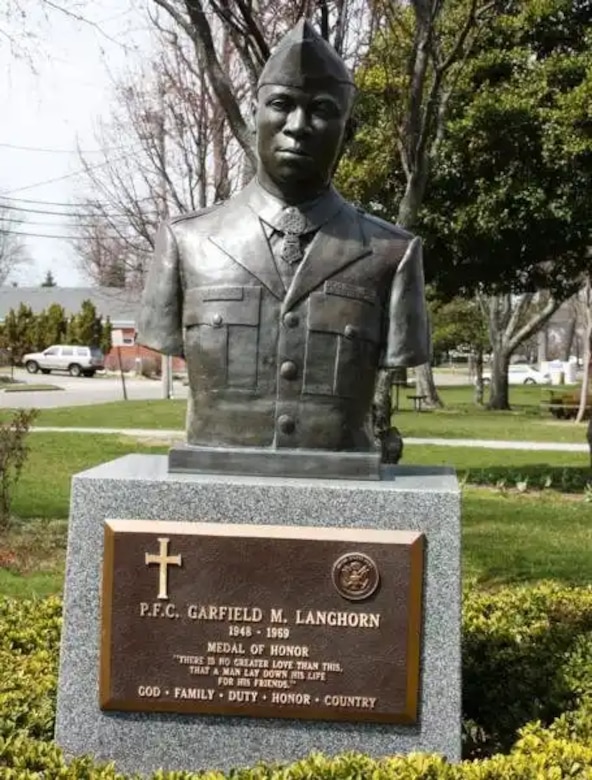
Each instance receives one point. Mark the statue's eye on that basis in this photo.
(324, 108)
(279, 104)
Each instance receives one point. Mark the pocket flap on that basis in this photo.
(340, 315)
(220, 293)
(223, 305)
(354, 291)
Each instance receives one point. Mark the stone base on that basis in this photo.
(140, 487)
(266, 462)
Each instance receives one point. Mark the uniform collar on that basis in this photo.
(316, 212)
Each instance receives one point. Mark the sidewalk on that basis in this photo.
(492, 444)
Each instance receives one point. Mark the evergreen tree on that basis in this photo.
(49, 281)
(57, 324)
(85, 327)
(19, 331)
(105, 343)
(39, 330)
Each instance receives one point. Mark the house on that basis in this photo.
(121, 306)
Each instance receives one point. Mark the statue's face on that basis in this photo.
(300, 134)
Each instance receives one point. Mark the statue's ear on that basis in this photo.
(253, 115)
(350, 130)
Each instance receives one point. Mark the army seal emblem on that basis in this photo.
(355, 576)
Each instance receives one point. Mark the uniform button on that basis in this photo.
(291, 319)
(217, 320)
(288, 370)
(350, 331)
(286, 423)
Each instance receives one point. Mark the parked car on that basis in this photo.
(522, 374)
(76, 360)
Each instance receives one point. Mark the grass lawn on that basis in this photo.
(32, 558)
(44, 487)
(465, 458)
(507, 536)
(459, 419)
(521, 537)
(157, 414)
(32, 552)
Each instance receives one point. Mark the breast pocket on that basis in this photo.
(221, 335)
(343, 338)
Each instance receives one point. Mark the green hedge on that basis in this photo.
(527, 655)
(527, 669)
(565, 479)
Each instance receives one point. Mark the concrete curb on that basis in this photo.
(493, 444)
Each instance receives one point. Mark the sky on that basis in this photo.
(50, 99)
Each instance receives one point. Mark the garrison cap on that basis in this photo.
(303, 58)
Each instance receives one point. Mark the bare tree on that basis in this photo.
(13, 251)
(105, 258)
(178, 155)
(511, 320)
(23, 23)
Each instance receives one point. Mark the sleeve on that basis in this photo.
(160, 319)
(408, 337)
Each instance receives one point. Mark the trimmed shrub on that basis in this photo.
(527, 655)
(565, 479)
(527, 658)
(29, 646)
(539, 756)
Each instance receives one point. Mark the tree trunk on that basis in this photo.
(479, 377)
(425, 385)
(406, 217)
(586, 378)
(542, 345)
(499, 396)
(568, 337)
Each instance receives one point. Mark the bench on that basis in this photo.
(417, 401)
(398, 384)
(562, 410)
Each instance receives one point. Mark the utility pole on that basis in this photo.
(160, 131)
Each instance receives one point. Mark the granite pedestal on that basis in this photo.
(140, 487)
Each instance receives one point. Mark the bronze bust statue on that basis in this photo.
(286, 300)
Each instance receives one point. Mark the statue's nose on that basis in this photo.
(296, 122)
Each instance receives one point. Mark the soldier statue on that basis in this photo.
(286, 300)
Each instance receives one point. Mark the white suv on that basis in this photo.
(85, 361)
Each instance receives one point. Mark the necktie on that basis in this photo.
(292, 224)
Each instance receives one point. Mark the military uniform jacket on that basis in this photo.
(272, 366)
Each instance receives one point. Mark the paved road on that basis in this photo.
(145, 433)
(80, 391)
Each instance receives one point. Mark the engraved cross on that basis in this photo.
(164, 560)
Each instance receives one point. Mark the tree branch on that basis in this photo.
(324, 11)
(200, 33)
(534, 323)
(521, 304)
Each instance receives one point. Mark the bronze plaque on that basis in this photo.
(267, 621)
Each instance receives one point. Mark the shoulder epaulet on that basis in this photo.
(396, 230)
(194, 214)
